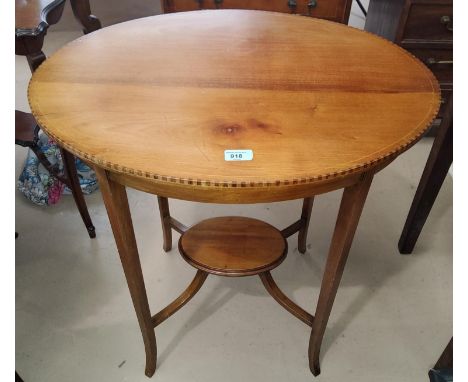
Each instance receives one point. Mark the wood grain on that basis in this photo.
(436, 169)
(233, 246)
(336, 10)
(118, 210)
(424, 22)
(275, 292)
(180, 301)
(313, 99)
(352, 204)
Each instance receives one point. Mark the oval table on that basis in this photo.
(159, 104)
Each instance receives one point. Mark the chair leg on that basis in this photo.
(35, 59)
(165, 224)
(82, 11)
(305, 217)
(74, 184)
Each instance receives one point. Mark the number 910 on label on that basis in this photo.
(236, 155)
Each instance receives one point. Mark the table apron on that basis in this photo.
(238, 195)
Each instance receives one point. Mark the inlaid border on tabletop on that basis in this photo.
(240, 190)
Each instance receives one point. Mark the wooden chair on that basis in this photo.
(336, 10)
(26, 135)
(32, 21)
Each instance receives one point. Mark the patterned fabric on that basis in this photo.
(40, 187)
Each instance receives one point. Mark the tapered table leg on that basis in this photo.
(351, 207)
(165, 224)
(115, 200)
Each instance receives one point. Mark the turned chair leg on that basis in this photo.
(74, 185)
(351, 207)
(82, 11)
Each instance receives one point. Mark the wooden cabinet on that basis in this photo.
(423, 27)
(336, 10)
(428, 21)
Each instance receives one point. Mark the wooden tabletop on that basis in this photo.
(160, 99)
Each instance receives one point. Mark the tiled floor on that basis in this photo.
(75, 321)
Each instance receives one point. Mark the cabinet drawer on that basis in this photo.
(440, 61)
(337, 10)
(428, 21)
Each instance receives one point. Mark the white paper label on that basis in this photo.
(234, 155)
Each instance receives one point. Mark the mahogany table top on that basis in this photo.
(159, 100)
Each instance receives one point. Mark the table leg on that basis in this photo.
(435, 171)
(115, 200)
(165, 223)
(351, 207)
(305, 217)
(82, 11)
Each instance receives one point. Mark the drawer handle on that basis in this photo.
(292, 4)
(433, 61)
(311, 4)
(447, 21)
(218, 3)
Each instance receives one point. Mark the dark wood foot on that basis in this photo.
(116, 202)
(437, 166)
(305, 218)
(35, 59)
(443, 369)
(74, 184)
(315, 367)
(445, 360)
(165, 222)
(82, 11)
(351, 207)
